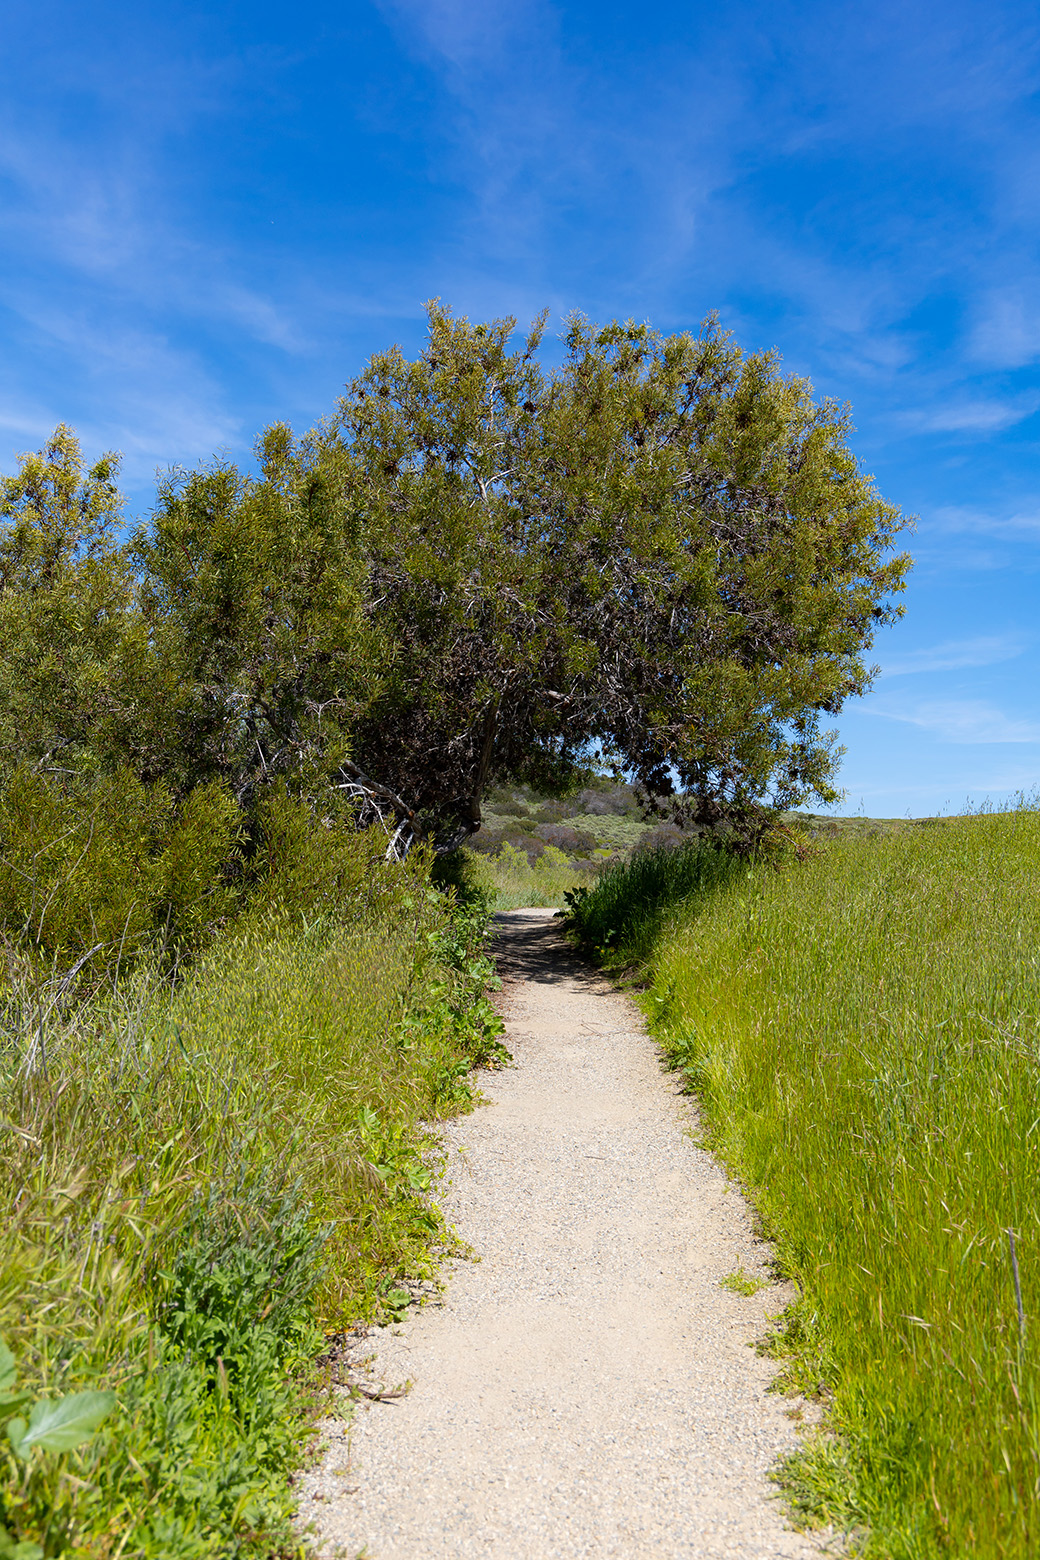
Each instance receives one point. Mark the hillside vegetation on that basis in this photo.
(534, 849)
(208, 1167)
(475, 572)
(863, 1031)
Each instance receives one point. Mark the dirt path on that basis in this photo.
(586, 1389)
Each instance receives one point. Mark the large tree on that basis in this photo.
(729, 563)
(665, 549)
(662, 551)
(254, 590)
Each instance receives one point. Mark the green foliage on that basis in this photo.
(322, 864)
(665, 547)
(618, 920)
(66, 609)
(211, 1173)
(513, 880)
(96, 872)
(741, 1282)
(228, 1004)
(728, 568)
(100, 868)
(393, 1155)
(54, 1425)
(478, 570)
(253, 592)
(240, 1282)
(59, 1424)
(467, 875)
(861, 1029)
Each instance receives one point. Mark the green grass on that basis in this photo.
(619, 918)
(509, 881)
(864, 1032)
(197, 1182)
(741, 1282)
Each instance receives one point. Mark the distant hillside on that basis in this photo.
(598, 822)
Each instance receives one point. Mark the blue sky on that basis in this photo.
(213, 215)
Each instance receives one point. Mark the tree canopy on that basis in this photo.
(662, 551)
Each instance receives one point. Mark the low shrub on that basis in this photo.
(544, 880)
(93, 871)
(566, 839)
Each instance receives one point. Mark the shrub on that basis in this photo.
(99, 869)
(570, 841)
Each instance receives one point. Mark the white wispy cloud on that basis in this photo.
(123, 309)
(262, 318)
(461, 32)
(959, 720)
(30, 426)
(960, 520)
(656, 175)
(956, 654)
(974, 416)
(110, 227)
(155, 402)
(1007, 331)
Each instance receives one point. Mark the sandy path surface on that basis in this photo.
(586, 1388)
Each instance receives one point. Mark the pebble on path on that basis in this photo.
(586, 1388)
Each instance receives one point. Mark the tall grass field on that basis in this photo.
(863, 1031)
(204, 1171)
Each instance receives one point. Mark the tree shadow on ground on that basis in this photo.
(526, 947)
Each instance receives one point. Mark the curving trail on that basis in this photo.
(586, 1388)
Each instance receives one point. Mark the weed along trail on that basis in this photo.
(586, 1388)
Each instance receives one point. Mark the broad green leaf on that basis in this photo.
(14, 1549)
(7, 1367)
(24, 1549)
(59, 1424)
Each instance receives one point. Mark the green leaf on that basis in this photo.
(60, 1424)
(22, 1550)
(7, 1367)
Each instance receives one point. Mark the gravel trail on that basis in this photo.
(585, 1389)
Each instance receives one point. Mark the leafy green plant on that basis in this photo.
(215, 1171)
(618, 919)
(242, 1279)
(54, 1425)
(395, 1303)
(393, 1156)
(23, 1549)
(741, 1282)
